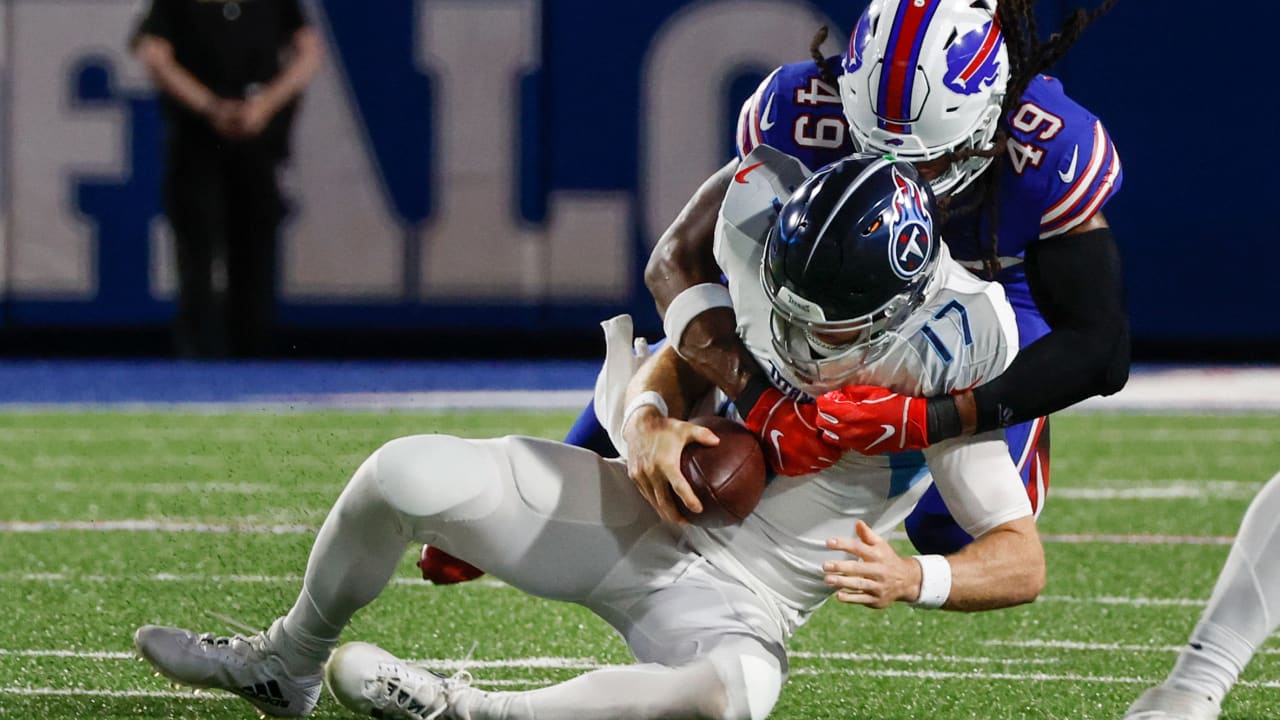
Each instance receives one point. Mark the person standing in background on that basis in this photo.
(230, 74)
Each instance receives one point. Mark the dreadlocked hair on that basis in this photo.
(815, 52)
(1028, 57)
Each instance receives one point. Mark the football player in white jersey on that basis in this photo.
(850, 281)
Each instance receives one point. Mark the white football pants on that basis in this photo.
(1245, 606)
(559, 522)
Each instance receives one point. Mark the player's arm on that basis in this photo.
(659, 397)
(156, 55)
(684, 279)
(684, 259)
(1076, 281)
(1002, 567)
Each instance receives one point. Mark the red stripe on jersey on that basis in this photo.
(1100, 196)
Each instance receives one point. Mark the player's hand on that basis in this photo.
(654, 445)
(876, 576)
(873, 420)
(788, 430)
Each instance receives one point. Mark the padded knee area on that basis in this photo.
(752, 677)
(425, 476)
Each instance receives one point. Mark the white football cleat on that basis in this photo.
(1164, 702)
(237, 664)
(371, 681)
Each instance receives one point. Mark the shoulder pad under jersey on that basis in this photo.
(797, 112)
(1065, 165)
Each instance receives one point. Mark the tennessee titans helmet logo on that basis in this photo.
(858, 42)
(911, 240)
(973, 60)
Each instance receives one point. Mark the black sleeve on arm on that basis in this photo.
(1076, 282)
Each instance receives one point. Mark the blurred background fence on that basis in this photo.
(490, 170)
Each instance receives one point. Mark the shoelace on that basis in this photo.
(241, 648)
(404, 696)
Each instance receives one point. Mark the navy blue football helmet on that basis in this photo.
(850, 258)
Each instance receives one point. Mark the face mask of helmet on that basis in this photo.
(929, 93)
(849, 259)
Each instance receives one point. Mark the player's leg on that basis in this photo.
(708, 648)
(441, 568)
(930, 525)
(1242, 612)
(518, 505)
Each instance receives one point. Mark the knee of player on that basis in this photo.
(752, 683)
(427, 475)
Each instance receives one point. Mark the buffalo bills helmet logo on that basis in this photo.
(973, 59)
(911, 241)
(858, 42)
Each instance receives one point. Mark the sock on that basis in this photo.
(354, 556)
(1244, 608)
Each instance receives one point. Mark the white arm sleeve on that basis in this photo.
(978, 481)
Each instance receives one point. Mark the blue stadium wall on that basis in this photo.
(507, 164)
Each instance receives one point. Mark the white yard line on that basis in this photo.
(1163, 490)
(567, 663)
(177, 526)
(1099, 647)
(248, 527)
(486, 582)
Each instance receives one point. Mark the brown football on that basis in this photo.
(728, 478)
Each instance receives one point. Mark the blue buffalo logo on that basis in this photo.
(858, 42)
(973, 60)
(911, 242)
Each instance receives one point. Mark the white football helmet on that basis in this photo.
(924, 78)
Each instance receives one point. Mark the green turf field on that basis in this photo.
(222, 505)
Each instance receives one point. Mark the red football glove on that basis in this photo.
(873, 420)
(442, 568)
(793, 445)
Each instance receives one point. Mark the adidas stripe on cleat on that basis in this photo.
(371, 681)
(241, 665)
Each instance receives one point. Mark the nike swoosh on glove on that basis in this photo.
(792, 442)
(873, 420)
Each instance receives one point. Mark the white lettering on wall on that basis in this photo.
(343, 239)
(476, 245)
(56, 140)
(691, 57)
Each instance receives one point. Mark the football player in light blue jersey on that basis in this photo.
(955, 87)
(852, 265)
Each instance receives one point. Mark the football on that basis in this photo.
(728, 478)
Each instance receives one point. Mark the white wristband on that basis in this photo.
(648, 397)
(935, 581)
(689, 304)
